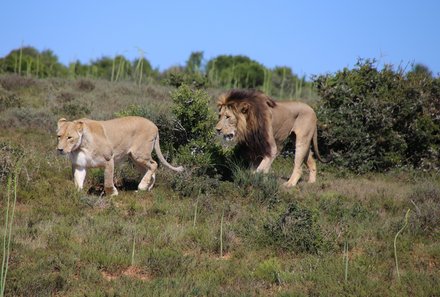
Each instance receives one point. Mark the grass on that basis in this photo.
(234, 238)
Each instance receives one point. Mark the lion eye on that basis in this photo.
(69, 137)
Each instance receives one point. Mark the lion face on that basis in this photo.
(227, 123)
(69, 136)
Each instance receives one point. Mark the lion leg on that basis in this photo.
(149, 178)
(311, 164)
(301, 152)
(79, 175)
(141, 155)
(267, 161)
(109, 186)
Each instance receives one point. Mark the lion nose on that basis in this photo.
(60, 150)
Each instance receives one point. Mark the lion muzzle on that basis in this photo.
(229, 136)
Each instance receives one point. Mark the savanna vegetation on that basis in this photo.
(368, 227)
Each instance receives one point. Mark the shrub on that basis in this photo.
(261, 187)
(295, 230)
(72, 109)
(378, 119)
(269, 271)
(8, 100)
(16, 82)
(85, 85)
(425, 219)
(167, 262)
(177, 79)
(9, 156)
(195, 122)
(28, 118)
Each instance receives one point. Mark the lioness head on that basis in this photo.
(69, 135)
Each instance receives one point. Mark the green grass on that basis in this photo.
(220, 238)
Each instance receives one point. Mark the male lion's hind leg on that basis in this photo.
(301, 153)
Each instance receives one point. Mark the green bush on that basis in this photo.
(85, 85)
(9, 100)
(269, 271)
(179, 78)
(376, 119)
(260, 187)
(16, 82)
(9, 156)
(167, 262)
(195, 122)
(295, 230)
(425, 219)
(72, 110)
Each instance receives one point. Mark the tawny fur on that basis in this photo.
(262, 125)
(92, 144)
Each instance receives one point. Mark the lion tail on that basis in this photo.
(315, 147)
(161, 157)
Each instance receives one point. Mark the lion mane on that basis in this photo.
(253, 131)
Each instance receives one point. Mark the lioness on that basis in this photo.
(262, 125)
(92, 144)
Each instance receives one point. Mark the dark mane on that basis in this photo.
(258, 118)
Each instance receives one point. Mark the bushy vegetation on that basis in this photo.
(220, 72)
(377, 119)
(218, 229)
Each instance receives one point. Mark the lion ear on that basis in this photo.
(79, 125)
(61, 122)
(244, 107)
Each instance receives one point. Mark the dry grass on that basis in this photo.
(67, 243)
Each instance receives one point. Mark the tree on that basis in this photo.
(235, 71)
(28, 60)
(194, 63)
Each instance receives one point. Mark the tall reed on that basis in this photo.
(283, 82)
(345, 260)
(9, 219)
(221, 233)
(395, 242)
(20, 59)
(133, 250)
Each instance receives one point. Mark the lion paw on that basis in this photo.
(288, 185)
(111, 191)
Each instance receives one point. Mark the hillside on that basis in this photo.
(196, 234)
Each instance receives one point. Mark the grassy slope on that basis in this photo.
(67, 243)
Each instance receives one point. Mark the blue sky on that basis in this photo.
(311, 37)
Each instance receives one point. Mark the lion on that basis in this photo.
(101, 144)
(261, 125)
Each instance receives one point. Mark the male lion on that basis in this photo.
(261, 125)
(92, 144)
